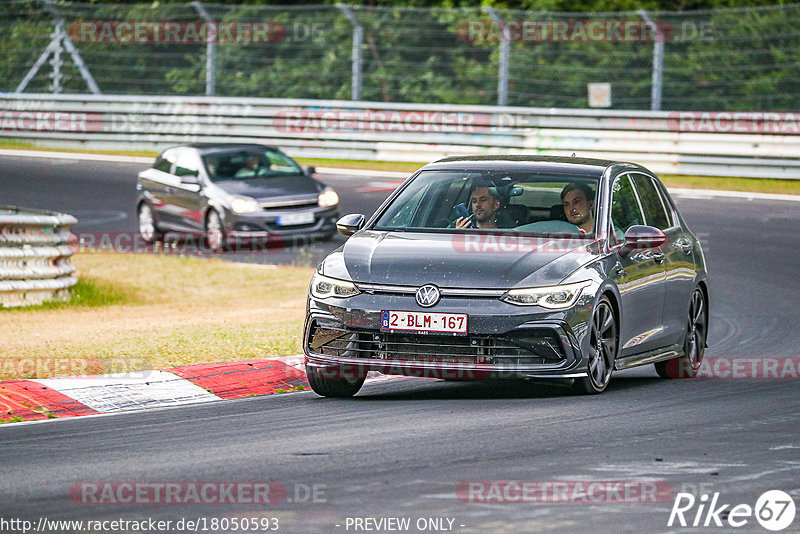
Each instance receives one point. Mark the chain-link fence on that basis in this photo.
(742, 59)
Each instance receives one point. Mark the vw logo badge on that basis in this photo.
(428, 295)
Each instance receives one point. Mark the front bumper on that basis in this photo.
(263, 225)
(503, 342)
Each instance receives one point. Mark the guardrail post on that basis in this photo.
(211, 49)
(358, 38)
(505, 49)
(658, 61)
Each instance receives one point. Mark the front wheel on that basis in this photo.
(215, 233)
(148, 228)
(334, 383)
(694, 344)
(602, 349)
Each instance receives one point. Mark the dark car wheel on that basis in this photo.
(602, 349)
(148, 228)
(333, 386)
(694, 344)
(215, 233)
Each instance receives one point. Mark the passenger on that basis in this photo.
(578, 202)
(485, 209)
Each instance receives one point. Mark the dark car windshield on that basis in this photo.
(249, 163)
(518, 201)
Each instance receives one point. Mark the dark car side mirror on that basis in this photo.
(350, 224)
(310, 171)
(640, 237)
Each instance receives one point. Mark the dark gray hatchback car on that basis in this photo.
(231, 194)
(511, 267)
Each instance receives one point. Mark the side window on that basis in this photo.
(651, 202)
(187, 164)
(164, 161)
(625, 210)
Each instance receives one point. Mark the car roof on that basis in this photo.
(207, 148)
(588, 167)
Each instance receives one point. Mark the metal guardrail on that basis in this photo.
(733, 144)
(35, 256)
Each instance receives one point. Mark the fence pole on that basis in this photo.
(56, 62)
(505, 48)
(211, 49)
(358, 38)
(658, 61)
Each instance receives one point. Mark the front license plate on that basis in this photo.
(296, 218)
(453, 323)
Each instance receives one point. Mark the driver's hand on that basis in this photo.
(463, 222)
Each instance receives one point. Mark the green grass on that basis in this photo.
(756, 185)
(11, 420)
(13, 143)
(86, 293)
(131, 312)
(396, 166)
(753, 185)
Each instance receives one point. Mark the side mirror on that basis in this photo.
(640, 237)
(350, 224)
(310, 171)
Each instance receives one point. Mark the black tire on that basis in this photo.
(694, 343)
(327, 384)
(215, 232)
(148, 227)
(603, 342)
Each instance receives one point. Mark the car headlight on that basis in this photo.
(244, 205)
(328, 197)
(551, 297)
(324, 287)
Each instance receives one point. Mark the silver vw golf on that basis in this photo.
(511, 267)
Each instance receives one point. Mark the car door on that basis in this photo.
(156, 183)
(679, 266)
(185, 199)
(639, 275)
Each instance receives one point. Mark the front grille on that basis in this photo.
(525, 347)
(289, 207)
(277, 229)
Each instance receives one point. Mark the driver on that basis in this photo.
(485, 206)
(249, 168)
(578, 203)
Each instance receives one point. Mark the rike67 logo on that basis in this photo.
(774, 510)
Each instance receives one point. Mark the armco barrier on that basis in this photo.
(35, 256)
(723, 144)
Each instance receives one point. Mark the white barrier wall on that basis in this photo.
(706, 143)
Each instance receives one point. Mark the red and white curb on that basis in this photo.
(99, 394)
(48, 398)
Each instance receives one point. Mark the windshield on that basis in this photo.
(249, 163)
(517, 201)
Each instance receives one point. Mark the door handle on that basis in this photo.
(685, 245)
(658, 257)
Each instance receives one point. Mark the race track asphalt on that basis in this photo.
(403, 448)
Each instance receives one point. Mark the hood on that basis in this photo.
(478, 261)
(269, 187)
